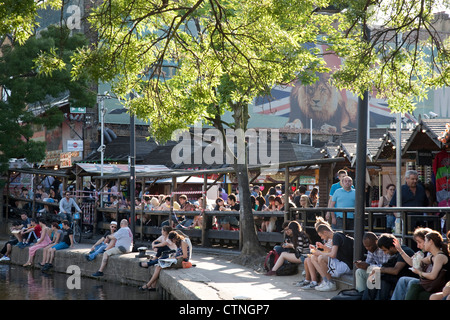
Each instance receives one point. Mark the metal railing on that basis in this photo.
(374, 220)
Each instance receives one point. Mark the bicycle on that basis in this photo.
(75, 226)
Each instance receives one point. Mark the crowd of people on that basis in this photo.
(273, 200)
(173, 248)
(391, 270)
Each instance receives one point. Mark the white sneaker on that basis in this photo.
(320, 285)
(310, 286)
(328, 286)
(5, 258)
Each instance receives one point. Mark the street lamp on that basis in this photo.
(101, 149)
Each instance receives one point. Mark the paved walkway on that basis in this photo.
(214, 277)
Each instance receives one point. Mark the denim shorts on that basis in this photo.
(60, 246)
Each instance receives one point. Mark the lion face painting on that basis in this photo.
(328, 109)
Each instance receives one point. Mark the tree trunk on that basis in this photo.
(249, 245)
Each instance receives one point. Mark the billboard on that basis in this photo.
(320, 104)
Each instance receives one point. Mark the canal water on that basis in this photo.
(19, 283)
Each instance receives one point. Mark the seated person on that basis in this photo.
(391, 271)
(298, 241)
(102, 243)
(161, 244)
(182, 255)
(375, 257)
(66, 242)
(333, 263)
(123, 243)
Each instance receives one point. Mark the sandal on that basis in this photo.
(27, 264)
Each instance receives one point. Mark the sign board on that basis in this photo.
(74, 145)
(77, 110)
(52, 158)
(424, 158)
(66, 159)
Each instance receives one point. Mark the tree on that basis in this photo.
(27, 92)
(393, 50)
(18, 18)
(226, 53)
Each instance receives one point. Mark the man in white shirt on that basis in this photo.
(120, 242)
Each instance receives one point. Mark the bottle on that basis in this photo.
(398, 226)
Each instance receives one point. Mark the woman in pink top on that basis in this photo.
(42, 242)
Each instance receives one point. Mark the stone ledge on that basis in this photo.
(123, 269)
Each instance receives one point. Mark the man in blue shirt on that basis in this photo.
(343, 198)
(65, 207)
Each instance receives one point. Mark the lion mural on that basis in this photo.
(329, 109)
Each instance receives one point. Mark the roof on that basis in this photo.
(425, 135)
(119, 150)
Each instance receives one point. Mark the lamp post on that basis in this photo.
(132, 171)
(101, 149)
(361, 166)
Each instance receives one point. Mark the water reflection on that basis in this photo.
(18, 283)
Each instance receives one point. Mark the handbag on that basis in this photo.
(436, 285)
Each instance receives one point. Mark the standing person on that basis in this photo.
(384, 202)
(66, 242)
(335, 262)
(375, 257)
(43, 241)
(123, 243)
(413, 193)
(65, 207)
(343, 198)
(314, 196)
(297, 195)
(298, 241)
(305, 202)
(341, 174)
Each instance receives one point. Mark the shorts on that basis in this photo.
(337, 268)
(114, 251)
(60, 246)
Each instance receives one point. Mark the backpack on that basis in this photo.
(348, 294)
(287, 269)
(270, 260)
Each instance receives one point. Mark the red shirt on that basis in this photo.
(37, 230)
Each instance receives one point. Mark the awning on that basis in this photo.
(120, 168)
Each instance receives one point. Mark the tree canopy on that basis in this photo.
(194, 59)
(18, 18)
(27, 92)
